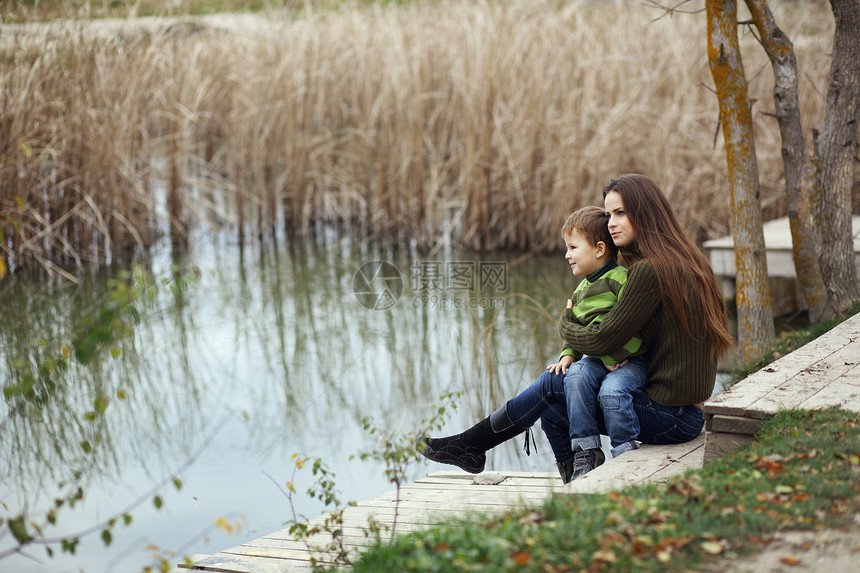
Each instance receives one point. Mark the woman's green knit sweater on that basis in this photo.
(681, 367)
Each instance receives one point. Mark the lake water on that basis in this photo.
(275, 349)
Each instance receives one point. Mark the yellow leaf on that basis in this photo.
(3, 268)
(224, 524)
(712, 547)
(28, 153)
(663, 556)
(290, 486)
(300, 463)
(605, 555)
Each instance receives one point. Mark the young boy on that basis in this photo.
(598, 390)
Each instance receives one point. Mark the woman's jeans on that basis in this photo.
(601, 401)
(545, 400)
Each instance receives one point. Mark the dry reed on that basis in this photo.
(475, 124)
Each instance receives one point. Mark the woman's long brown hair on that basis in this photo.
(661, 239)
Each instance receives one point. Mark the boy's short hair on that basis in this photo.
(593, 224)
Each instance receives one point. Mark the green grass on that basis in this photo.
(800, 474)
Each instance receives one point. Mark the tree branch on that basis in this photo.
(672, 10)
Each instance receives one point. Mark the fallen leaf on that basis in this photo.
(712, 547)
(772, 464)
(789, 560)
(604, 555)
(531, 517)
(522, 558)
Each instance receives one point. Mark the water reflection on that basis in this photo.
(268, 354)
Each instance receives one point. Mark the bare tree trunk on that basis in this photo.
(755, 315)
(835, 150)
(805, 239)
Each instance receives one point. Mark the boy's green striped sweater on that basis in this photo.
(592, 299)
(681, 364)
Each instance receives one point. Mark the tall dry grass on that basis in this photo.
(477, 124)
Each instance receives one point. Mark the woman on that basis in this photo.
(671, 301)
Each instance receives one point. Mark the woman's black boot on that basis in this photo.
(468, 450)
(565, 470)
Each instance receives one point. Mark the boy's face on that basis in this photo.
(583, 257)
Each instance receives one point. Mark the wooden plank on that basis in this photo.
(489, 479)
(738, 399)
(733, 424)
(435, 506)
(439, 510)
(467, 489)
(461, 475)
(292, 544)
(843, 392)
(648, 463)
(719, 444)
(226, 563)
(437, 495)
(778, 250)
(440, 506)
(549, 481)
(807, 383)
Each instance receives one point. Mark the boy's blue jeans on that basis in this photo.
(545, 400)
(601, 402)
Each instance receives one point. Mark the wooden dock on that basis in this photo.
(823, 373)
(777, 242)
(785, 296)
(438, 496)
(447, 494)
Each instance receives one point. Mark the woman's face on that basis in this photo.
(620, 225)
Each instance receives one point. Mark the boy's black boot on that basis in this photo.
(468, 450)
(586, 460)
(582, 462)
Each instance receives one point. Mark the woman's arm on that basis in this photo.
(638, 302)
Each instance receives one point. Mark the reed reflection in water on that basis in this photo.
(269, 353)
